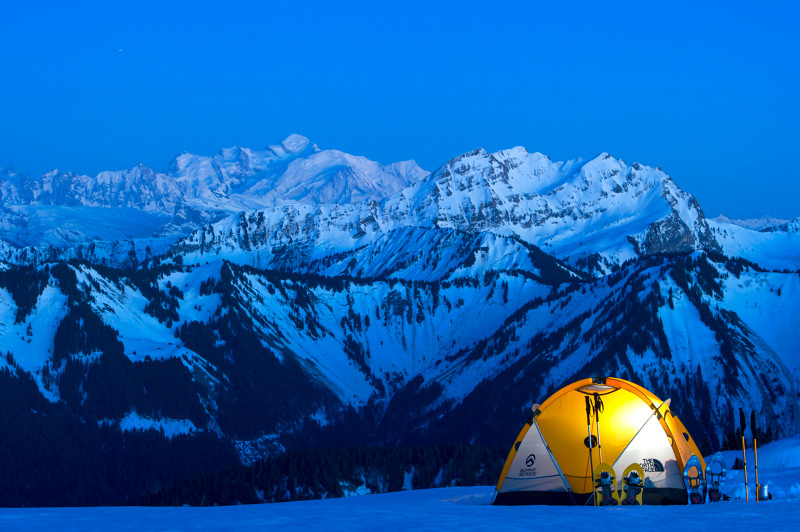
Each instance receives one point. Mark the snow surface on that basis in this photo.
(776, 250)
(691, 339)
(171, 427)
(30, 342)
(65, 226)
(460, 509)
(767, 302)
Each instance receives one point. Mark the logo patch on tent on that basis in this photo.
(528, 470)
(651, 465)
(593, 443)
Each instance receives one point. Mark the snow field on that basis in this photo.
(32, 351)
(443, 509)
(462, 509)
(778, 250)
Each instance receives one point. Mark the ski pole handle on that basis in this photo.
(588, 410)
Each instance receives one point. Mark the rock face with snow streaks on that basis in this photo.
(603, 211)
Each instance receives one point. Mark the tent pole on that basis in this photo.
(589, 428)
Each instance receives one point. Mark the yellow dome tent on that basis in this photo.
(552, 459)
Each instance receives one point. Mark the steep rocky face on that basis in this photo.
(685, 229)
(792, 226)
(669, 235)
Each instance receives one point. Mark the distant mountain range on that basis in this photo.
(195, 190)
(293, 297)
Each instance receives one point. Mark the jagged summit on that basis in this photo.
(792, 226)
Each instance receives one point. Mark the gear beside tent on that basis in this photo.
(590, 422)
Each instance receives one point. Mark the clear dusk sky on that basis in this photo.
(706, 90)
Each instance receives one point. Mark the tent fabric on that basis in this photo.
(533, 466)
(550, 460)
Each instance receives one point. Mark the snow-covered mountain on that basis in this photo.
(491, 344)
(262, 300)
(757, 224)
(63, 209)
(775, 248)
(591, 214)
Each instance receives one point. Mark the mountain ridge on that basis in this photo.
(201, 188)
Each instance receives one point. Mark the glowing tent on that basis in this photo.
(592, 421)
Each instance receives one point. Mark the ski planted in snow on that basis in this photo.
(605, 485)
(632, 485)
(693, 478)
(715, 477)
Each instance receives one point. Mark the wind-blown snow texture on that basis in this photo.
(295, 291)
(449, 509)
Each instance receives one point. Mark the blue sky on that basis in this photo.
(708, 91)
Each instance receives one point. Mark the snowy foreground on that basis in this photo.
(454, 509)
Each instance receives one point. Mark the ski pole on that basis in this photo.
(598, 407)
(755, 450)
(744, 457)
(589, 427)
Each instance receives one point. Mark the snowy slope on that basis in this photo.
(775, 249)
(30, 341)
(659, 322)
(756, 224)
(767, 303)
(67, 226)
(642, 324)
(401, 330)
